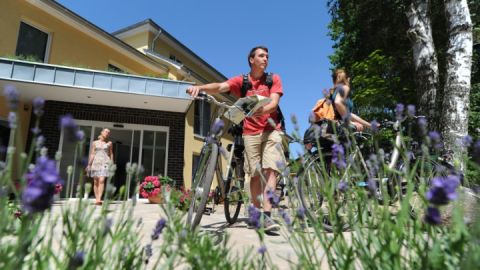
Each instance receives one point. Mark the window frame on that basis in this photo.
(41, 29)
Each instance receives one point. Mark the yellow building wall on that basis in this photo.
(68, 45)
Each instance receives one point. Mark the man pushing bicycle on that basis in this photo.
(262, 133)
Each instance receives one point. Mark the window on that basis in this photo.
(4, 138)
(201, 124)
(113, 68)
(32, 43)
(174, 58)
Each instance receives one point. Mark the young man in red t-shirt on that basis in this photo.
(262, 138)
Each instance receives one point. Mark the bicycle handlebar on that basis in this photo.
(212, 99)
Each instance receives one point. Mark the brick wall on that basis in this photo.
(175, 121)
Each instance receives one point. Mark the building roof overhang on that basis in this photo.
(149, 25)
(53, 82)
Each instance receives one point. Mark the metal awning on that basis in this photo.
(62, 83)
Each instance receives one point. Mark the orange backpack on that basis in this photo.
(324, 110)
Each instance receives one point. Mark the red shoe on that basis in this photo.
(98, 203)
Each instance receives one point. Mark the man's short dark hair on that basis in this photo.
(252, 53)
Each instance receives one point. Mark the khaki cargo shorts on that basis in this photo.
(264, 151)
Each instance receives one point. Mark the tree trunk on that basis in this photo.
(457, 87)
(424, 57)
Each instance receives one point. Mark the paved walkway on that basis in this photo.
(241, 239)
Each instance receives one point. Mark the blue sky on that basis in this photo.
(222, 32)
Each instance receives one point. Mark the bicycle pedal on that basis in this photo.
(208, 211)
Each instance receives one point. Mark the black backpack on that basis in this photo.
(246, 85)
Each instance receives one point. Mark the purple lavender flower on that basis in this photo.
(411, 110)
(262, 249)
(41, 181)
(338, 156)
(12, 120)
(67, 123)
(432, 216)
(217, 126)
(35, 130)
(273, 198)
(435, 140)
(13, 98)
(148, 252)
(158, 228)
(443, 190)
(467, 141)
(342, 186)
(399, 111)
(77, 260)
(294, 119)
(285, 217)
(254, 216)
(40, 142)
(374, 126)
(373, 165)
(372, 186)
(80, 135)
(38, 104)
(281, 164)
(301, 212)
(422, 124)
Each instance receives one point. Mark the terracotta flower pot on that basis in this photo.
(155, 199)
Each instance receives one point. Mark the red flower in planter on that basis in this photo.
(150, 186)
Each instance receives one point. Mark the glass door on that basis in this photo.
(140, 144)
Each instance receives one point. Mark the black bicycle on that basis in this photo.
(231, 180)
(314, 178)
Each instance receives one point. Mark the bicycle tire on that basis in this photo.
(204, 174)
(311, 199)
(234, 192)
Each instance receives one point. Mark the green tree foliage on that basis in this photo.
(371, 43)
(375, 83)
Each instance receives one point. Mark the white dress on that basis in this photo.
(101, 160)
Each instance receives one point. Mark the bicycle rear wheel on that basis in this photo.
(202, 183)
(310, 189)
(234, 192)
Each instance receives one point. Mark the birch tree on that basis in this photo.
(455, 107)
(424, 56)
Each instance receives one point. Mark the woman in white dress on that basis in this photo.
(99, 161)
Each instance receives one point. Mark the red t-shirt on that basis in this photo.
(258, 124)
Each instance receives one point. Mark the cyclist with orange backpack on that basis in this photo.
(335, 107)
(343, 104)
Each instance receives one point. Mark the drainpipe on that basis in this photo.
(154, 39)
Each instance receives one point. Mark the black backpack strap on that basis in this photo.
(269, 83)
(246, 85)
(269, 80)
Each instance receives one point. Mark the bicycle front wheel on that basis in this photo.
(310, 180)
(234, 192)
(202, 183)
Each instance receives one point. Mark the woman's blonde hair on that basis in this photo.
(100, 135)
(339, 76)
